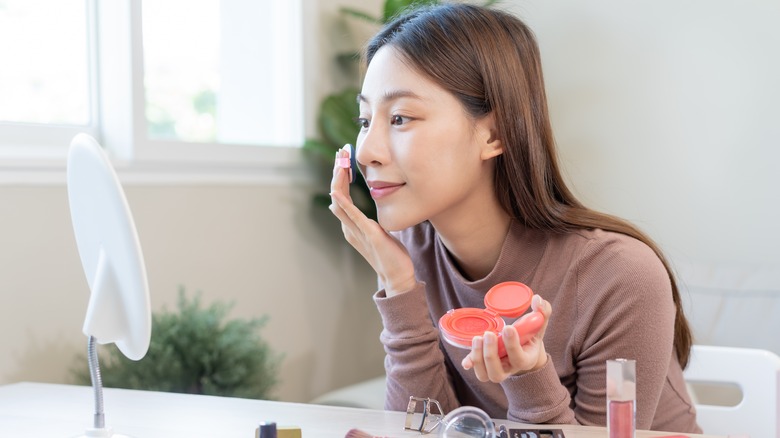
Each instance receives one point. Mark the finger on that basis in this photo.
(337, 208)
(493, 366)
(538, 304)
(512, 343)
(352, 212)
(476, 359)
(341, 176)
(363, 233)
(352, 233)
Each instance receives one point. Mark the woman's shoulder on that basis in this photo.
(610, 246)
(617, 257)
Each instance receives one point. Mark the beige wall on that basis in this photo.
(263, 248)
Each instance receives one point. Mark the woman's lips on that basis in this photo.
(381, 189)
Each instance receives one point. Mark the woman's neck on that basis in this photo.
(475, 239)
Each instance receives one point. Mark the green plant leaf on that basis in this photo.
(338, 127)
(360, 14)
(321, 155)
(320, 148)
(321, 200)
(337, 117)
(348, 60)
(395, 7)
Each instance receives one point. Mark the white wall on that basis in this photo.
(665, 113)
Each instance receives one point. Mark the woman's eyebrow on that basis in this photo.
(390, 96)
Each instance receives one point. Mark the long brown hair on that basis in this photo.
(490, 61)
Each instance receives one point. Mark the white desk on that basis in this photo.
(48, 410)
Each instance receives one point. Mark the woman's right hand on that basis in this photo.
(520, 357)
(384, 253)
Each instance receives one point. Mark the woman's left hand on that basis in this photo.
(488, 366)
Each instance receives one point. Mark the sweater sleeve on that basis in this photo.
(414, 362)
(624, 310)
(538, 397)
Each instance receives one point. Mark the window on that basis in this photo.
(46, 79)
(219, 71)
(158, 81)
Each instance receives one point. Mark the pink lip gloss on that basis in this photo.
(621, 398)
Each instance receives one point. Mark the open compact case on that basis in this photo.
(509, 299)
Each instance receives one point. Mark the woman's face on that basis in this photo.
(421, 154)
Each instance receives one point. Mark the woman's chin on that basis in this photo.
(392, 221)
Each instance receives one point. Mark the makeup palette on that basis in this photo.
(509, 299)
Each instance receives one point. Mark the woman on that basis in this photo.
(457, 148)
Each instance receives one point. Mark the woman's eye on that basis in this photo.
(362, 122)
(398, 120)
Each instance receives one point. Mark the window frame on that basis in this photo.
(37, 153)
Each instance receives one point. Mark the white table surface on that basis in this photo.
(51, 410)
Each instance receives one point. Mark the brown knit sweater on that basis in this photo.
(610, 296)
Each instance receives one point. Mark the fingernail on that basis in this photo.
(537, 303)
(488, 338)
(508, 332)
(476, 342)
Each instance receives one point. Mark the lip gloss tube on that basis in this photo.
(621, 398)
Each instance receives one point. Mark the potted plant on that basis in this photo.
(194, 350)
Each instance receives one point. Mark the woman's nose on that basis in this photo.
(372, 148)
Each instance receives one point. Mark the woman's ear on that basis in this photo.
(489, 143)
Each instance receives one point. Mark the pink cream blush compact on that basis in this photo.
(508, 299)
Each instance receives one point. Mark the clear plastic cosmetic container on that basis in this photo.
(621, 398)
